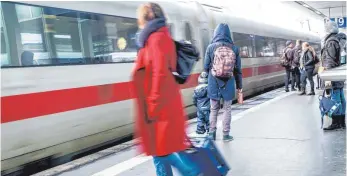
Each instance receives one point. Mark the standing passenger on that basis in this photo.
(308, 65)
(160, 121)
(288, 54)
(330, 59)
(201, 100)
(223, 63)
(296, 54)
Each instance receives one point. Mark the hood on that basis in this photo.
(331, 27)
(222, 34)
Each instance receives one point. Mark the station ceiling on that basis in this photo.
(329, 9)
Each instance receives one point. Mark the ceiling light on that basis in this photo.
(305, 5)
(318, 12)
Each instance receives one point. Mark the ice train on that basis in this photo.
(74, 93)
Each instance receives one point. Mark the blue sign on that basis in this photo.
(341, 22)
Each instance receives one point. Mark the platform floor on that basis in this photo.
(276, 134)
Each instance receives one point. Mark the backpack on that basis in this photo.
(297, 55)
(284, 60)
(224, 61)
(187, 56)
(316, 65)
(339, 38)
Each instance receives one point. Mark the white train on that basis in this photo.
(75, 94)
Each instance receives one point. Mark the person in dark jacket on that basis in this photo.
(222, 89)
(289, 55)
(160, 118)
(296, 54)
(307, 67)
(330, 59)
(201, 100)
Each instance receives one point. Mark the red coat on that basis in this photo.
(158, 97)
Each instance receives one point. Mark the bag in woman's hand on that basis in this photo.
(316, 69)
(240, 98)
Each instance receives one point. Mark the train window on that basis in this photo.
(188, 32)
(245, 42)
(113, 38)
(4, 57)
(280, 45)
(265, 46)
(62, 36)
(53, 36)
(25, 12)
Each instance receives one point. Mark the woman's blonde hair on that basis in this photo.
(307, 45)
(147, 12)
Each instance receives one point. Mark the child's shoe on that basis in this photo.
(212, 135)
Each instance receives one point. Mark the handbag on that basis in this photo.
(327, 106)
(316, 69)
(204, 154)
(320, 69)
(327, 121)
(187, 56)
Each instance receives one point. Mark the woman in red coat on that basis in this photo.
(160, 121)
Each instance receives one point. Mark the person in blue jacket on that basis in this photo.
(219, 89)
(202, 102)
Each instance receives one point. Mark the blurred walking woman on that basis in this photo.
(307, 66)
(160, 118)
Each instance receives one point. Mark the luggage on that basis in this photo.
(316, 69)
(316, 59)
(223, 62)
(205, 155)
(284, 59)
(327, 106)
(240, 98)
(187, 56)
(297, 55)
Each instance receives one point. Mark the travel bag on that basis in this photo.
(327, 106)
(204, 154)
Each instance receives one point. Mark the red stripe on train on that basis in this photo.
(25, 106)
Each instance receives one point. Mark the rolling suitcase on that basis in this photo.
(205, 155)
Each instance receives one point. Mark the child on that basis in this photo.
(202, 102)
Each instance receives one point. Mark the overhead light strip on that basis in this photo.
(305, 5)
(311, 8)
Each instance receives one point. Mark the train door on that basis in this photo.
(205, 39)
(204, 28)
